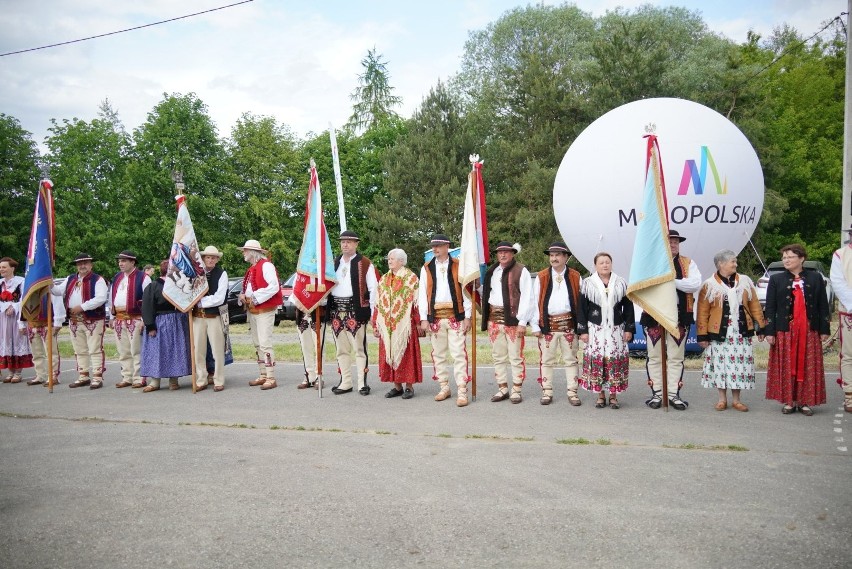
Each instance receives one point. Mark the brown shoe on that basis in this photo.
(15, 379)
(7, 379)
(80, 382)
(139, 385)
(210, 379)
(258, 381)
(740, 406)
(269, 385)
(150, 388)
(174, 386)
(200, 387)
(96, 384)
(121, 384)
(574, 401)
(443, 394)
(722, 405)
(499, 396)
(848, 407)
(516, 397)
(35, 381)
(218, 388)
(546, 399)
(305, 384)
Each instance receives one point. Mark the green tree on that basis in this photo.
(426, 178)
(88, 163)
(177, 135)
(373, 98)
(19, 177)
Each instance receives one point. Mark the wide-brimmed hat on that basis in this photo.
(252, 245)
(440, 239)
(211, 251)
(557, 247)
(349, 236)
(126, 254)
(675, 235)
(82, 257)
(506, 246)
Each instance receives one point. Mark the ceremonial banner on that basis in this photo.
(315, 268)
(40, 254)
(475, 255)
(652, 274)
(185, 281)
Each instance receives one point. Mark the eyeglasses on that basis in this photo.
(789, 257)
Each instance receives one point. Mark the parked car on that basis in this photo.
(287, 310)
(778, 266)
(237, 313)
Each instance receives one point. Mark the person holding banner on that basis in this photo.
(125, 302)
(797, 322)
(305, 323)
(353, 299)
(261, 296)
(445, 315)
(15, 351)
(165, 346)
(207, 325)
(506, 309)
(687, 282)
(36, 328)
(556, 298)
(85, 294)
(396, 323)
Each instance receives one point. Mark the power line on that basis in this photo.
(127, 30)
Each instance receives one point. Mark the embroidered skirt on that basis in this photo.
(729, 364)
(14, 346)
(606, 360)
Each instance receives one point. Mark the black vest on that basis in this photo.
(212, 286)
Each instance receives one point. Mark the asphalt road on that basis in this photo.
(243, 478)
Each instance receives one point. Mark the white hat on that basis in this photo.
(252, 244)
(211, 251)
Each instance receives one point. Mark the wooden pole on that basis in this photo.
(473, 353)
(192, 349)
(49, 342)
(663, 357)
(317, 324)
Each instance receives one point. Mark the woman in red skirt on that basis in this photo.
(797, 323)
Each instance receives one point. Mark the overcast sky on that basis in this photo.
(296, 61)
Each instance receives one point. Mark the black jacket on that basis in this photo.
(779, 302)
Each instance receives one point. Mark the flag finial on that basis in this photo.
(313, 164)
(651, 128)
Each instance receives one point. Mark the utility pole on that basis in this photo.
(846, 215)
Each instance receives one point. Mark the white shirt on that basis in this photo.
(691, 283)
(524, 304)
(218, 299)
(442, 289)
(842, 289)
(75, 299)
(343, 288)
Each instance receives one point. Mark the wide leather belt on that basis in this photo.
(497, 315)
(562, 322)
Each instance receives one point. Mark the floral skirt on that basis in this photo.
(729, 364)
(606, 360)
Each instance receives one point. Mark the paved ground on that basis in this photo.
(244, 478)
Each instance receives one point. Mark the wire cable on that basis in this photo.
(126, 30)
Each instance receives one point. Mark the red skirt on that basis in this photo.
(410, 369)
(780, 385)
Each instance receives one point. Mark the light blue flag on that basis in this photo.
(652, 273)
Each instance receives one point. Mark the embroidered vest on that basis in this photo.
(87, 291)
(358, 267)
(455, 289)
(134, 291)
(545, 284)
(511, 284)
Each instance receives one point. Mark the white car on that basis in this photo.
(778, 267)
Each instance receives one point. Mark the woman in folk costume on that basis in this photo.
(396, 323)
(605, 323)
(15, 351)
(729, 314)
(797, 322)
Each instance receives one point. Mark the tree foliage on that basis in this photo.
(19, 177)
(373, 98)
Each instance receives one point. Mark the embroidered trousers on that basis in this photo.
(447, 338)
(87, 338)
(551, 346)
(128, 343)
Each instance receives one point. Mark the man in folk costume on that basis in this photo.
(687, 282)
(37, 330)
(125, 302)
(261, 296)
(207, 322)
(841, 281)
(85, 295)
(556, 296)
(305, 323)
(445, 316)
(506, 310)
(350, 309)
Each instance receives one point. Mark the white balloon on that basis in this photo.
(714, 182)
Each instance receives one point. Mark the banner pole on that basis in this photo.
(192, 349)
(319, 347)
(664, 357)
(49, 342)
(473, 354)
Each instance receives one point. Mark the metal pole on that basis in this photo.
(846, 214)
